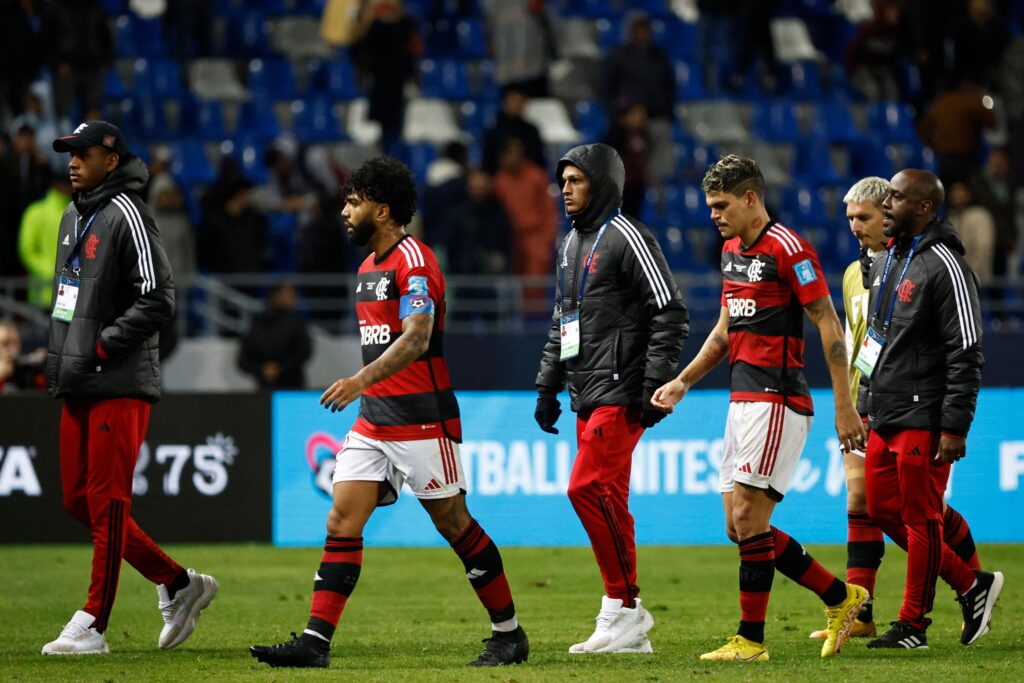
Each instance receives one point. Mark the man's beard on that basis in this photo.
(362, 232)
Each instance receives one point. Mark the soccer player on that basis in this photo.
(113, 292)
(865, 544)
(922, 361)
(771, 278)
(408, 429)
(616, 335)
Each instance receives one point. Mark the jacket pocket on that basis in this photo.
(616, 355)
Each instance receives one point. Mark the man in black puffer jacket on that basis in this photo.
(112, 293)
(921, 364)
(616, 336)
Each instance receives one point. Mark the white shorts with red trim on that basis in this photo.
(762, 445)
(431, 467)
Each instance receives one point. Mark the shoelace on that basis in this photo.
(72, 630)
(167, 608)
(605, 618)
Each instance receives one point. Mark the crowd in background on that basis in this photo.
(488, 202)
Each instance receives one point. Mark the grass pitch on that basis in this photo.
(413, 617)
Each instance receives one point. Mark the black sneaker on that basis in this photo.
(512, 647)
(297, 652)
(977, 605)
(901, 635)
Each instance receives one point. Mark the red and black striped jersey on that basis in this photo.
(417, 402)
(765, 287)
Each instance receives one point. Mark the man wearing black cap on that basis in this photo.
(112, 293)
(617, 332)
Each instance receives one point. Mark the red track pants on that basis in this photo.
(99, 444)
(599, 491)
(905, 485)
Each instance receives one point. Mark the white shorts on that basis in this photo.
(762, 445)
(431, 467)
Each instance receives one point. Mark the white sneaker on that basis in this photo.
(77, 638)
(619, 629)
(181, 613)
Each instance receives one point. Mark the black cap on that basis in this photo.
(93, 134)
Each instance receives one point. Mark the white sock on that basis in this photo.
(311, 632)
(506, 626)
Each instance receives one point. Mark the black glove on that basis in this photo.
(649, 415)
(547, 412)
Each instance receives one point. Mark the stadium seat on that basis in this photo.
(677, 37)
(202, 119)
(256, 119)
(689, 81)
(814, 163)
(591, 120)
(776, 122)
(337, 78)
(298, 37)
(359, 126)
(833, 122)
(250, 155)
(191, 166)
(156, 78)
(417, 156)
(869, 158)
(592, 9)
(272, 78)
(472, 39)
(152, 118)
(282, 236)
(248, 35)
(215, 79)
(804, 205)
(792, 40)
(803, 81)
(893, 121)
(716, 122)
(113, 87)
(551, 117)
(314, 120)
(430, 120)
(477, 117)
(445, 79)
(579, 39)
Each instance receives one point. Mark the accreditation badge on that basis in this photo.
(570, 324)
(870, 350)
(67, 297)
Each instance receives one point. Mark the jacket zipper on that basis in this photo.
(576, 276)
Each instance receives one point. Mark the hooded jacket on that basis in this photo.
(929, 370)
(109, 349)
(632, 318)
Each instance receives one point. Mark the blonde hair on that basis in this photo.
(871, 189)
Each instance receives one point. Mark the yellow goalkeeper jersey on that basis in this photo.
(855, 302)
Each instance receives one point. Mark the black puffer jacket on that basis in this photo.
(929, 371)
(632, 318)
(126, 295)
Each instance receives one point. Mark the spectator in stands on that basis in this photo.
(190, 24)
(167, 203)
(33, 170)
(631, 138)
(756, 44)
(979, 43)
(874, 56)
(324, 249)
(79, 46)
(522, 44)
(719, 34)
(386, 55)
(522, 187)
(277, 347)
(993, 188)
(445, 189)
(19, 371)
(38, 114)
(977, 230)
(37, 239)
(953, 127)
(20, 53)
(479, 235)
(287, 190)
(511, 124)
(639, 71)
(233, 234)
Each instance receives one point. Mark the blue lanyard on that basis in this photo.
(73, 259)
(586, 265)
(899, 281)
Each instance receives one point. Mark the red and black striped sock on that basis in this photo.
(797, 564)
(757, 570)
(957, 535)
(486, 574)
(335, 580)
(865, 547)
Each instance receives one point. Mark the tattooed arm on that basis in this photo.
(848, 425)
(413, 343)
(716, 347)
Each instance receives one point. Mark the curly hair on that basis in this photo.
(385, 180)
(734, 174)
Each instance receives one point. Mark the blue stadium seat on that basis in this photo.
(893, 121)
(689, 81)
(157, 78)
(477, 117)
(833, 122)
(114, 7)
(191, 166)
(248, 35)
(677, 37)
(445, 78)
(337, 78)
(113, 87)
(472, 39)
(256, 119)
(591, 121)
(151, 118)
(314, 120)
(250, 155)
(272, 78)
(776, 122)
(417, 156)
(803, 81)
(814, 163)
(202, 119)
(804, 206)
(282, 236)
(609, 35)
(869, 158)
(592, 9)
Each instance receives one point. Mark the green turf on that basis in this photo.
(414, 617)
